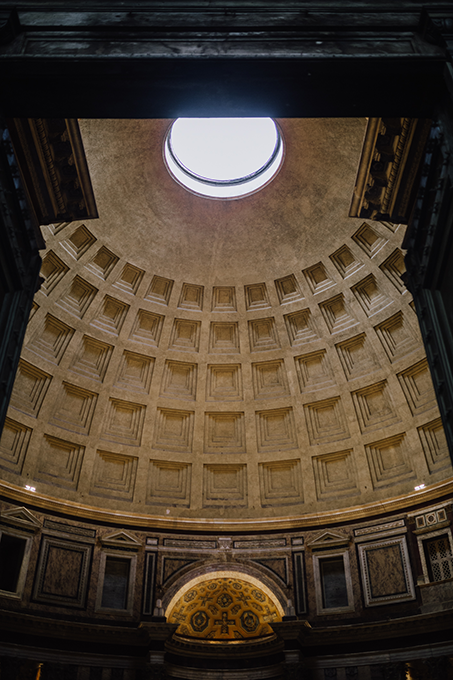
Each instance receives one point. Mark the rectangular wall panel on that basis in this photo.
(386, 571)
(63, 572)
(149, 582)
(299, 583)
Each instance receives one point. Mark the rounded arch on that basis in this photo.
(224, 605)
(205, 572)
(192, 579)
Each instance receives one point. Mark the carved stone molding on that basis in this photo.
(52, 162)
(386, 183)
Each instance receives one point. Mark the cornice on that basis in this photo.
(66, 629)
(190, 647)
(54, 169)
(79, 511)
(386, 179)
(420, 624)
(286, 630)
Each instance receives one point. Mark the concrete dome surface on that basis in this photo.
(242, 361)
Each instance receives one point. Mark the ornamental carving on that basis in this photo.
(386, 181)
(224, 609)
(52, 160)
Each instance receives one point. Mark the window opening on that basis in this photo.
(12, 550)
(223, 157)
(440, 562)
(334, 589)
(116, 583)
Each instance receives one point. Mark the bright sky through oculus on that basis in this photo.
(223, 157)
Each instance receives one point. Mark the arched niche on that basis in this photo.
(225, 606)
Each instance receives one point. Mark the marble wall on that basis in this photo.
(381, 562)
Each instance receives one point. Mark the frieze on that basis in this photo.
(188, 543)
(252, 545)
(69, 528)
(379, 527)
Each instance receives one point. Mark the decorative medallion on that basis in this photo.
(199, 621)
(224, 600)
(249, 621)
(224, 609)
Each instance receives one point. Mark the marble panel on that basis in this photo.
(62, 573)
(385, 570)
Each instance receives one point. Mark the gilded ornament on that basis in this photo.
(224, 609)
(258, 596)
(199, 621)
(249, 621)
(224, 600)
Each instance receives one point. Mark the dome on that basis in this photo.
(251, 363)
(223, 455)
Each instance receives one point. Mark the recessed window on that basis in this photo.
(116, 583)
(439, 558)
(333, 582)
(223, 157)
(14, 553)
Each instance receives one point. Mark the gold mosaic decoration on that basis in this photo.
(224, 609)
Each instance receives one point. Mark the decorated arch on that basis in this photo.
(224, 606)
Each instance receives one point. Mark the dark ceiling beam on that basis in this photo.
(168, 88)
(163, 61)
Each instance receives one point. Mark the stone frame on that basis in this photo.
(300, 587)
(86, 549)
(130, 588)
(317, 558)
(17, 594)
(373, 601)
(149, 581)
(421, 549)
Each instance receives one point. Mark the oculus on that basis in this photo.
(223, 157)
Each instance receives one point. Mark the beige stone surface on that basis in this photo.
(226, 359)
